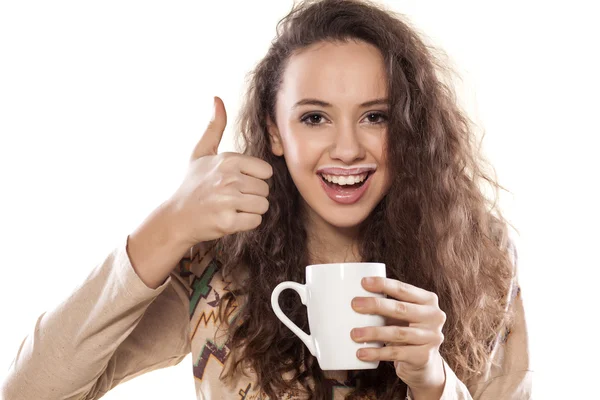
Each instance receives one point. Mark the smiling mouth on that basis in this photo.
(345, 182)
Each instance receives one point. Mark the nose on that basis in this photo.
(347, 146)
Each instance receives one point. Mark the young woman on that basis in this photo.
(354, 150)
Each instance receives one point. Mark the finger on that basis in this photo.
(255, 167)
(250, 203)
(399, 290)
(394, 334)
(391, 308)
(251, 185)
(246, 221)
(417, 356)
(210, 140)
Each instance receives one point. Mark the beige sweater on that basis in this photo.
(113, 328)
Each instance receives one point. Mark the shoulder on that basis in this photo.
(513, 254)
(198, 259)
(202, 270)
(513, 304)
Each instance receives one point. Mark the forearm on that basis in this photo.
(154, 248)
(68, 351)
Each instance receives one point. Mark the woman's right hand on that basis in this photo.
(221, 194)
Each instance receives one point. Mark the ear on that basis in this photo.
(276, 145)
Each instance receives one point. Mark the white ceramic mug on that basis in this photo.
(328, 294)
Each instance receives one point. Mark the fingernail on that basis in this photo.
(358, 333)
(358, 302)
(368, 281)
(214, 112)
(361, 353)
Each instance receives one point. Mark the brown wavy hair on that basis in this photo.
(435, 228)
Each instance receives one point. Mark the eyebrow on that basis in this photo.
(324, 104)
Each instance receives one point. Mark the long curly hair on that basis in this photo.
(436, 228)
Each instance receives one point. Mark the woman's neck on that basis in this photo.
(330, 244)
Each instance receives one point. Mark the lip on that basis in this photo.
(346, 196)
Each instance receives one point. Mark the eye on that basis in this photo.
(376, 118)
(312, 119)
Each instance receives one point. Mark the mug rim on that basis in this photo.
(346, 264)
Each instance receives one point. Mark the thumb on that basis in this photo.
(210, 140)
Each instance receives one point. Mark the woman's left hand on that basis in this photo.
(413, 333)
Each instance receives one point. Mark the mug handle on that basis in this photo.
(301, 290)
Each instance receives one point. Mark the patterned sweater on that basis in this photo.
(113, 328)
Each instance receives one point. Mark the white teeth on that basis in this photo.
(345, 180)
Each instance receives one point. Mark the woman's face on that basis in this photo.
(331, 128)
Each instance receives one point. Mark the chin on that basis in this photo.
(342, 218)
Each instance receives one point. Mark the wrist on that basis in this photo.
(154, 248)
(434, 389)
(427, 393)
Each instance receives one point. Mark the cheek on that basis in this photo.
(376, 146)
(300, 149)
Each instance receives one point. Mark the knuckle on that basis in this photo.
(264, 164)
(401, 286)
(226, 160)
(269, 168)
(220, 158)
(231, 180)
(374, 303)
(227, 222)
(424, 357)
(226, 179)
(264, 206)
(218, 181)
(399, 334)
(419, 335)
(257, 221)
(443, 317)
(434, 298)
(431, 353)
(397, 353)
(384, 283)
(441, 338)
(400, 308)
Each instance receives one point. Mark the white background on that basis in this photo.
(101, 104)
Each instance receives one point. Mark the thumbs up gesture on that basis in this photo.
(221, 193)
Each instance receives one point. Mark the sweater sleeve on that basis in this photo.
(109, 330)
(508, 376)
